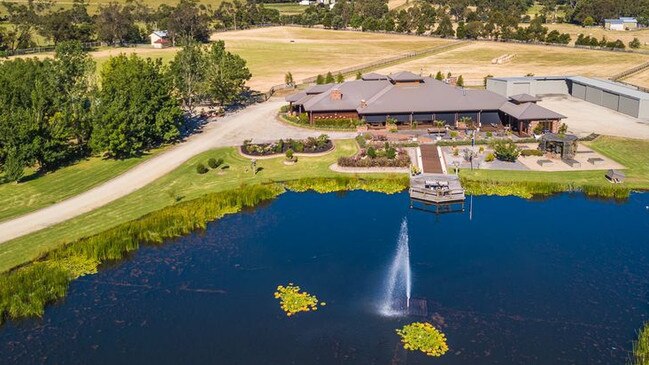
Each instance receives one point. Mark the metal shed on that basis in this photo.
(612, 95)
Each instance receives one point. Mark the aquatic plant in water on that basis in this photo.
(293, 301)
(424, 337)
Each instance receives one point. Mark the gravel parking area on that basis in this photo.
(584, 118)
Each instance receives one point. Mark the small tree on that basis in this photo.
(329, 79)
(340, 78)
(460, 81)
(201, 169)
(635, 43)
(319, 80)
(290, 155)
(563, 129)
(505, 150)
(484, 81)
(439, 76)
(359, 75)
(588, 21)
(288, 79)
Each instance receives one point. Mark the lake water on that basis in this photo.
(563, 280)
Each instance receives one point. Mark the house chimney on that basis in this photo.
(335, 94)
(363, 103)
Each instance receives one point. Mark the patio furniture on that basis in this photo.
(615, 176)
(572, 163)
(595, 160)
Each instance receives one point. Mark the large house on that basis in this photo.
(405, 98)
(622, 23)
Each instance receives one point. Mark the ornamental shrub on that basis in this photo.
(371, 152)
(530, 152)
(490, 157)
(506, 150)
(201, 169)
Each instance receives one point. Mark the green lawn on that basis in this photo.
(40, 191)
(634, 154)
(183, 183)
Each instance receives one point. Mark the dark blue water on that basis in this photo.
(563, 280)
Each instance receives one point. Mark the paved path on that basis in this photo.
(256, 122)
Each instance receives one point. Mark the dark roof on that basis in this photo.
(353, 92)
(615, 174)
(524, 98)
(404, 76)
(295, 97)
(318, 89)
(559, 137)
(431, 96)
(373, 76)
(529, 111)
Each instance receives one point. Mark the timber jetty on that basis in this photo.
(435, 186)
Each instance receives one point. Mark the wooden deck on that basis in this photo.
(452, 190)
(430, 159)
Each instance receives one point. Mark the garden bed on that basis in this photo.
(311, 146)
(375, 152)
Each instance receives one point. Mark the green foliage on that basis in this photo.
(214, 163)
(641, 347)
(635, 43)
(563, 128)
(288, 79)
(44, 110)
(422, 336)
(135, 108)
(490, 157)
(340, 78)
(289, 154)
(439, 76)
(201, 169)
(329, 78)
(320, 79)
(292, 301)
(359, 75)
(505, 150)
(460, 81)
(361, 140)
(371, 152)
(225, 75)
(390, 185)
(531, 152)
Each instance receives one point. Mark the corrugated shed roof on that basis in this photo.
(529, 111)
(611, 86)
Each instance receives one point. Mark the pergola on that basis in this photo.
(564, 145)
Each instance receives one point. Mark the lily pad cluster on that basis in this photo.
(293, 301)
(423, 337)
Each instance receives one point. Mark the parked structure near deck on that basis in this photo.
(407, 98)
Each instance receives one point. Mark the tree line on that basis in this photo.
(56, 111)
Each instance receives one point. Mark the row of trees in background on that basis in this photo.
(119, 23)
(132, 21)
(52, 112)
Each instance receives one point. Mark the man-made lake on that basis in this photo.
(564, 280)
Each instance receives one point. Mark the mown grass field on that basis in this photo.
(474, 61)
(37, 191)
(182, 184)
(633, 154)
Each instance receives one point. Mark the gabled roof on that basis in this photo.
(160, 33)
(404, 76)
(524, 98)
(352, 94)
(295, 97)
(373, 76)
(318, 89)
(529, 111)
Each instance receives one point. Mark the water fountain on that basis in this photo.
(398, 283)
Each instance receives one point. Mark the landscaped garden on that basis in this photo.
(310, 145)
(376, 151)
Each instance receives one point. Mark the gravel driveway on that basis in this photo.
(256, 122)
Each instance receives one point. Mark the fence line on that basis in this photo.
(629, 72)
(24, 51)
